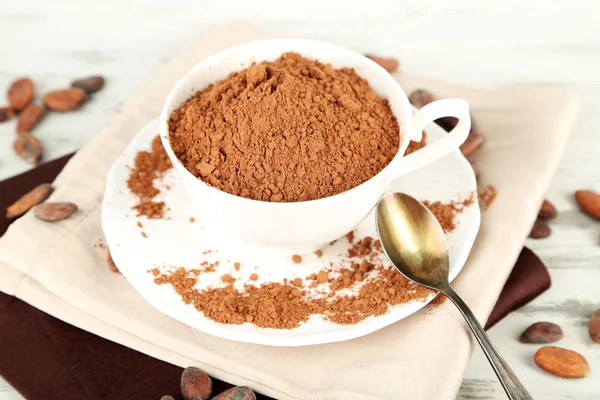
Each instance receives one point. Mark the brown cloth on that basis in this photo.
(47, 359)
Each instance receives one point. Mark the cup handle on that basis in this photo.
(441, 108)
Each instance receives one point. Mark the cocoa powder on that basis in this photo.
(414, 146)
(286, 305)
(148, 167)
(446, 213)
(487, 196)
(289, 130)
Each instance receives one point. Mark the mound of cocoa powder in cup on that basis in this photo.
(290, 130)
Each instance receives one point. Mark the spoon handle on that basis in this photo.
(512, 385)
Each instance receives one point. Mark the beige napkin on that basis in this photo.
(56, 268)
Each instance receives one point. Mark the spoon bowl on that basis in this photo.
(413, 239)
(414, 242)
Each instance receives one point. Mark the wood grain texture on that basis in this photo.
(469, 41)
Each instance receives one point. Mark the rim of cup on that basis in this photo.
(169, 106)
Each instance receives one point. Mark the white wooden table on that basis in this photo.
(493, 42)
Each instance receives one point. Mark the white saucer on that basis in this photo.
(177, 241)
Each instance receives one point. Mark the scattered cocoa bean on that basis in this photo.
(540, 230)
(6, 113)
(111, 263)
(30, 199)
(589, 202)
(52, 212)
(420, 98)
(20, 93)
(237, 393)
(548, 211)
(195, 384)
(472, 144)
(387, 63)
(167, 397)
(542, 332)
(29, 117)
(28, 148)
(562, 362)
(90, 85)
(64, 100)
(594, 326)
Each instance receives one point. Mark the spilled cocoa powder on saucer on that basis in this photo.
(359, 285)
(446, 213)
(286, 305)
(148, 167)
(289, 130)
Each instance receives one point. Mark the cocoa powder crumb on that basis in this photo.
(289, 130)
(296, 259)
(226, 278)
(487, 196)
(446, 213)
(253, 277)
(192, 220)
(111, 264)
(207, 267)
(438, 300)
(350, 236)
(323, 277)
(297, 282)
(237, 266)
(148, 167)
(319, 253)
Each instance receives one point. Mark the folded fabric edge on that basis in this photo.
(37, 295)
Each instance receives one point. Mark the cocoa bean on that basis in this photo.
(29, 117)
(52, 212)
(90, 85)
(6, 113)
(28, 200)
(594, 326)
(28, 148)
(387, 63)
(64, 100)
(589, 202)
(472, 144)
(237, 393)
(195, 384)
(540, 230)
(420, 98)
(20, 93)
(542, 332)
(111, 264)
(562, 362)
(547, 211)
(167, 397)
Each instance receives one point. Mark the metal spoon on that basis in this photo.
(414, 242)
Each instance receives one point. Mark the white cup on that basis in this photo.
(304, 226)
